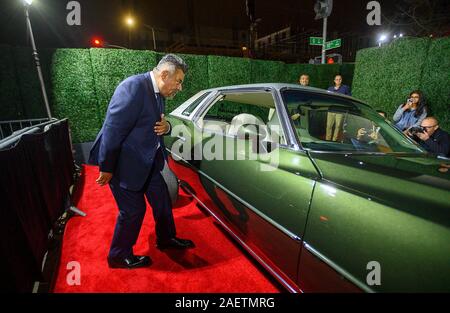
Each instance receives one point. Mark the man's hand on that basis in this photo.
(361, 133)
(162, 127)
(374, 135)
(104, 178)
(423, 136)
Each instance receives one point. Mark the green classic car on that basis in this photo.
(319, 188)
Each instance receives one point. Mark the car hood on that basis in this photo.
(398, 180)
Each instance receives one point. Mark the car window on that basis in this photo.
(327, 123)
(188, 111)
(233, 113)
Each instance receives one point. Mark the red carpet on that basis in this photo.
(217, 264)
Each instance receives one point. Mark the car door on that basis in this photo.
(262, 191)
(377, 220)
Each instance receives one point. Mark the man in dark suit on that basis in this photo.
(130, 152)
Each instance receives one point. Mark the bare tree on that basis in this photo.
(420, 17)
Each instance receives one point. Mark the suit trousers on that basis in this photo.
(132, 209)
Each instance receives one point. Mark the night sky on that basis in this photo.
(105, 18)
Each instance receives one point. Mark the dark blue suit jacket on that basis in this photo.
(127, 143)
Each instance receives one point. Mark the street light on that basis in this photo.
(27, 4)
(130, 22)
(382, 38)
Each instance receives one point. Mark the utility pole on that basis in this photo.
(325, 20)
(323, 10)
(153, 35)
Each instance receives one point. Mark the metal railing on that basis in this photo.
(8, 128)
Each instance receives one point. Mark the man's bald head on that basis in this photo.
(430, 125)
(430, 120)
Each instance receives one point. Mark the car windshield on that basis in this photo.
(329, 123)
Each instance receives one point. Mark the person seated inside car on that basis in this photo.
(366, 139)
(297, 113)
(296, 116)
(368, 135)
(362, 134)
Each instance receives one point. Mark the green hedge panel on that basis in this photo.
(326, 74)
(111, 66)
(31, 95)
(292, 73)
(74, 95)
(195, 80)
(10, 99)
(436, 80)
(347, 70)
(266, 71)
(385, 76)
(224, 71)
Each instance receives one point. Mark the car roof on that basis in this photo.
(279, 86)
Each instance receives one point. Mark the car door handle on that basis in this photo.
(181, 138)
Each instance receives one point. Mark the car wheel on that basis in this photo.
(171, 181)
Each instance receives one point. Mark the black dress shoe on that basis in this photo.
(175, 243)
(133, 261)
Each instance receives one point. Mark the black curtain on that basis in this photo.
(34, 185)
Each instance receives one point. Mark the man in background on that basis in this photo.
(432, 138)
(304, 80)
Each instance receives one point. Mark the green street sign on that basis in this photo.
(333, 44)
(315, 41)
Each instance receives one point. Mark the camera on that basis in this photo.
(416, 129)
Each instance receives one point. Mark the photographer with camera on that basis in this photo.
(411, 113)
(431, 137)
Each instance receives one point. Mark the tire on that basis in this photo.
(171, 181)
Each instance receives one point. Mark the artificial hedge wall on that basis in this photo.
(326, 74)
(266, 71)
(292, 73)
(83, 80)
(385, 76)
(10, 100)
(28, 81)
(111, 66)
(19, 83)
(223, 71)
(436, 80)
(74, 95)
(80, 82)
